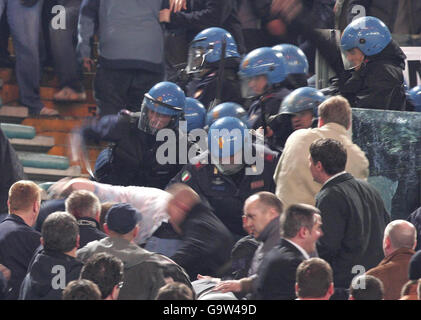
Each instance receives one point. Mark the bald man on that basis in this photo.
(399, 241)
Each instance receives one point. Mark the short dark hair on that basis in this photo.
(105, 206)
(175, 291)
(313, 277)
(372, 290)
(270, 200)
(105, 270)
(59, 232)
(81, 289)
(297, 216)
(331, 153)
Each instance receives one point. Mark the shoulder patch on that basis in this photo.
(185, 176)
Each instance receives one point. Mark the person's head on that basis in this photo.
(302, 104)
(194, 114)
(105, 206)
(363, 37)
(335, 110)
(228, 137)
(301, 224)
(314, 280)
(260, 209)
(408, 289)
(106, 271)
(366, 287)
(226, 109)
(175, 291)
(399, 234)
(121, 221)
(81, 289)
(414, 97)
(261, 70)
(25, 200)
(415, 266)
(182, 200)
(327, 158)
(83, 203)
(60, 233)
(295, 59)
(162, 107)
(207, 49)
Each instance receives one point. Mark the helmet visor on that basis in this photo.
(253, 86)
(152, 119)
(352, 58)
(195, 59)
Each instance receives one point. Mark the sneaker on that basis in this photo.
(48, 112)
(69, 95)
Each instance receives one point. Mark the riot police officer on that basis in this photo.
(226, 109)
(214, 73)
(132, 159)
(222, 176)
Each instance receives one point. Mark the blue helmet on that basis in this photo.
(302, 99)
(194, 114)
(226, 137)
(262, 61)
(226, 109)
(414, 96)
(295, 59)
(162, 107)
(369, 34)
(206, 48)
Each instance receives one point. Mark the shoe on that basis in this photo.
(48, 112)
(69, 95)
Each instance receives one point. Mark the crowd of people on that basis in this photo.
(255, 191)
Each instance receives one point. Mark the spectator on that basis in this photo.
(262, 211)
(409, 290)
(81, 289)
(106, 271)
(53, 267)
(11, 170)
(415, 266)
(144, 272)
(276, 277)
(24, 19)
(105, 206)
(314, 280)
(398, 246)
(131, 53)
(415, 219)
(175, 291)
(63, 46)
(366, 287)
(206, 242)
(354, 215)
(85, 207)
(294, 183)
(18, 240)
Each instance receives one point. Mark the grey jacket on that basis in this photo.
(130, 35)
(144, 271)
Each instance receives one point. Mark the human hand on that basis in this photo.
(228, 286)
(88, 64)
(165, 15)
(6, 272)
(288, 9)
(177, 5)
(200, 277)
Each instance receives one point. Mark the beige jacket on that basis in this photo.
(294, 182)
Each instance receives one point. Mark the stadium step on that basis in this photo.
(43, 161)
(37, 144)
(13, 114)
(18, 131)
(50, 175)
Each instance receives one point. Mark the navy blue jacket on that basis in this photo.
(89, 231)
(226, 194)
(39, 283)
(18, 243)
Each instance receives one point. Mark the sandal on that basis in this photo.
(68, 94)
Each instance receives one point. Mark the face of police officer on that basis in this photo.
(356, 57)
(157, 120)
(302, 120)
(258, 84)
(258, 216)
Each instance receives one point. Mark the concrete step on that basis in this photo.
(48, 175)
(13, 114)
(40, 144)
(18, 131)
(43, 161)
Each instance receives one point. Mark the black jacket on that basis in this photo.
(133, 155)
(276, 274)
(18, 243)
(379, 82)
(354, 219)
(207, 243)
(89, 231)
(43, 281)
(204, 14)
(415, 219)
(11, 170)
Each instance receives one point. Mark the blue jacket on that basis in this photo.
(18, 243)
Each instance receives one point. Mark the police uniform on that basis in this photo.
(226, 193)
(131, 161)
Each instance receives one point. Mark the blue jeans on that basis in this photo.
(63, 47)
(24, 23)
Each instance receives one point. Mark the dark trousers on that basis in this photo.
(63, 47)
(117, 89)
